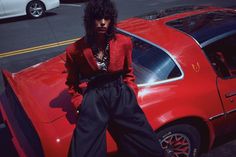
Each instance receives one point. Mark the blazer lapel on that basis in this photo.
(90, 58)
(112, 54)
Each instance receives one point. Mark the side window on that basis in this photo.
(151, 64)
(222, 55)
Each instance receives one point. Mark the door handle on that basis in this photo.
(230, 94)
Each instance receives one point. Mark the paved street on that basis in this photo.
(64, 25)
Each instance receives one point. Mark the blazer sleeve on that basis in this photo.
(129, 77)
(72, 80)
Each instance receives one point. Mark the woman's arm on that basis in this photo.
(72, 80)
(129, 77)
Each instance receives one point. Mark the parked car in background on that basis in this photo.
(185, 66)
(32, 8)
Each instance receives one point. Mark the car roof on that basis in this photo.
(163, 30)
(157, 14)
(205, 26)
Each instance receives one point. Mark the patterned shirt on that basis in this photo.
(103, 62)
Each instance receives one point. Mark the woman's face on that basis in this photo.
(102, 25)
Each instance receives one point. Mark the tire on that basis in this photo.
(180, 140)
(35, 9)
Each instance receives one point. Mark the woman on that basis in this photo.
(103, 59)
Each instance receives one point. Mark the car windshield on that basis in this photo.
(152, 64)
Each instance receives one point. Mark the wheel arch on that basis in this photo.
(197, 122)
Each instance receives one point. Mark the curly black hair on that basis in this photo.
(98, 9)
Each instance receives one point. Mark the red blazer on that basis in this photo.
(80, 61)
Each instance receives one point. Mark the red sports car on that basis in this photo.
(185, 64)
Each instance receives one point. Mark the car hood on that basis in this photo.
(41, 90)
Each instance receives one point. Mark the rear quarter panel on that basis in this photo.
(195, 95)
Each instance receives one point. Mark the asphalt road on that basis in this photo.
(19, 34)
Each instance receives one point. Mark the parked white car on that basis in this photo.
(33, 8)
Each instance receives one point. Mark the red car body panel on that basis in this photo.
(43, 95)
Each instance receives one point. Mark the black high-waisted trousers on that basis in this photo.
(110, 104)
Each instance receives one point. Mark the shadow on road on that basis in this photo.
(7, 148)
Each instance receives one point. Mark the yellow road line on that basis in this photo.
(37, 48)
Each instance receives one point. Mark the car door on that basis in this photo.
(14, 7)
(222, 54)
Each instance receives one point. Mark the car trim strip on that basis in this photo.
(167, 52)
(204, 44)
(222, 114)
(216, 116)
(231, 111)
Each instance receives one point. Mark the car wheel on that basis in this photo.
(35, 9)
(180, 140)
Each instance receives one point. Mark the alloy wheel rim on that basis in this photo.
(36, 9)
(176, 145)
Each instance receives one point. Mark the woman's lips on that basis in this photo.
(102, 28)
